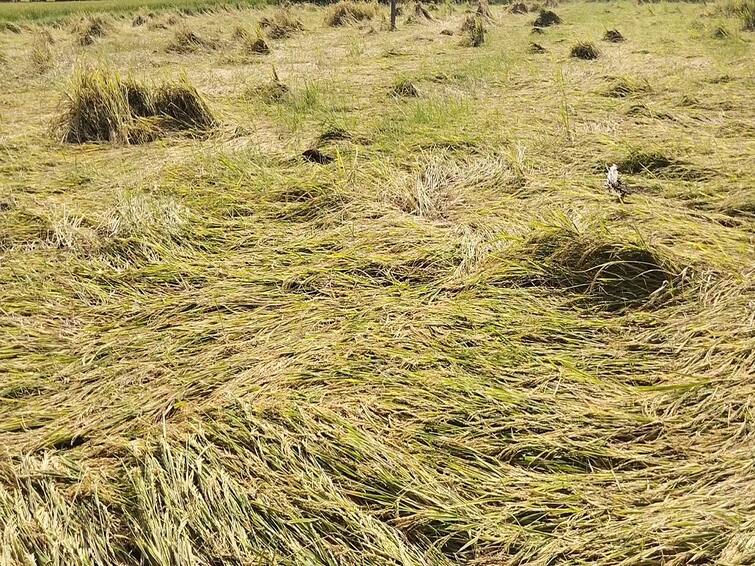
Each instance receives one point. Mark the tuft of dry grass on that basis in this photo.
(546, 18)
(91, 28)
(518, 8)
(350, 11)
(281, 24)
(536, 48)
(185, 40)
(41, 53)
(613, 36)
(437, 340)
(483, 11)
(472, 32)
(404, 88)
(100, 106)
(624, 87)
(418, 14)
(584, 50)
(255, 44)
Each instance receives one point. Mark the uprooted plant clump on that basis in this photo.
(101, 106)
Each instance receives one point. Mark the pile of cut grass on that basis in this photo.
(518, 8)
(610, 274)
(350, 11)
(472, 32)
(281, 24)
(613, 36)
(584, 50)
(404, 88)
(185, 40)
(418, 14)
(100, 106)
(546, 18)
(41, 54)
(91, 28)
(624, 87)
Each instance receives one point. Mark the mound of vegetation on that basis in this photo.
(613, 36)
(349, 12)
(612, 274)
(404, 88)
(624, 87)
(281, 24)
(41, 54)
(546, 18)
(472, 32)
(638, 161)
(742, 9)
(186, 40)
(91, 28)
(483, 10)
(252, 44)
(584, 50)
(100, 106)
(418, 14)
(536, 48)
(518, 8)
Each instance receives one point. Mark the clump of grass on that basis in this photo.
(472, 32)
(546, 18)
(624, 87)
(638, 161)
(483, 10)
(720, 32)
(536, 48)
(96, 109)
(10, 26)
(186, 40)
(404, 88)
(281, 24)
(273, 92)
(91, 28)
(584, 50)
(139, 20)
(518, 8)
(349, 12)
(41, 54)
(182, 104)
(742, 9)
(100, 106)
(255, 44)
(613, 36)
(418, 14)
(612, 274)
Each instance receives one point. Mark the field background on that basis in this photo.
(448, 346)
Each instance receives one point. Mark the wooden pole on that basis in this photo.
(393, 15)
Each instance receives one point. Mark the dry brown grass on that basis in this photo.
(349, 12)
(437, 340)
